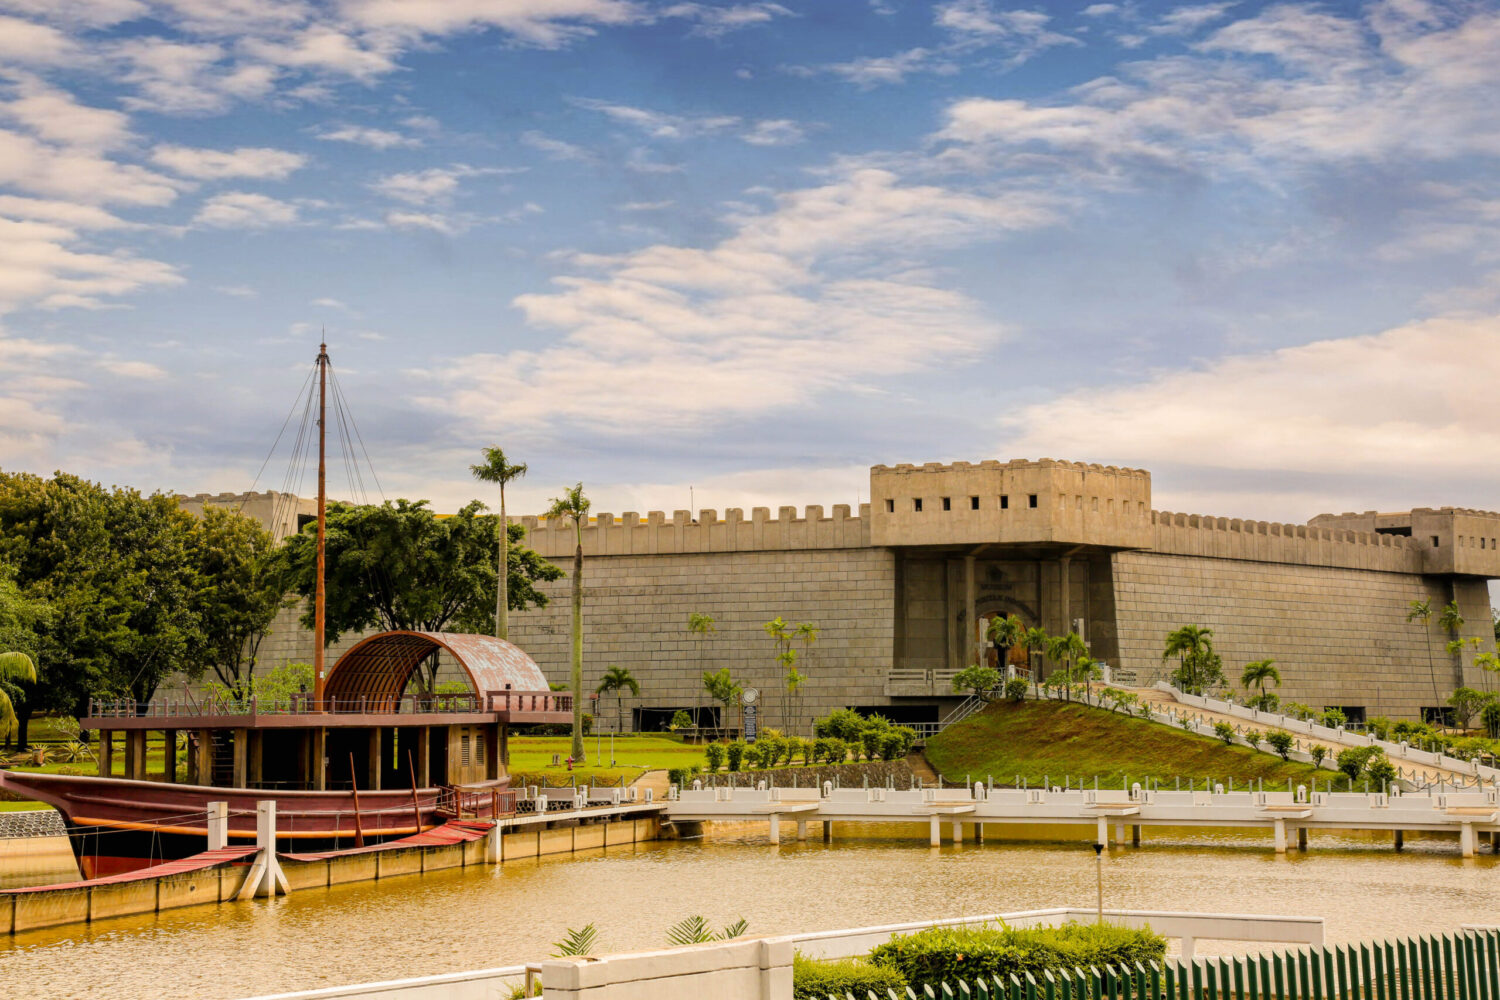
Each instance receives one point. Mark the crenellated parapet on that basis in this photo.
(656, 533)
(1270, 541)
(1457, 540)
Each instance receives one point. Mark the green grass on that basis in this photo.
(1038, 739)
(10, 807)
(633, 756)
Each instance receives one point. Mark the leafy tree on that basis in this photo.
(1333, 718)
(1259, 672)
(784, 634)
(1490, 664)
(983, 682)
(20, 618)
(1491, 719)
(1281, 741)
(1421, 612)
(16, 669)
(1035, 641)
(1006, 633)
(681, 719)
(618, 680)
(574, 506)
(1466, 703)
(1199, 667)
(400, 566)
(239, 586)
(1225, 732)
(1067, 650)
(498, 470)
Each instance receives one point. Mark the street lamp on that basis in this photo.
(1099, 866)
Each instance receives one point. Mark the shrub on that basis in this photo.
(1333, 718)
(842, 723)
(908, 738)
(735, 754)
(1280, 741)
(768, 750)
(1267, 701)
(1470, 748)
(1352, 761)
(941, 954)
(814, 980)
(790, 748)
(1380, 770)
(892, 746)
(714, 755)
(869, 742)
(1297, 710)
(1317, 751)
(835, 750)
(1225, 732)
(1491, 719)
(1379, 727)
(1015, 689)
(1252, 738)
(808, 747)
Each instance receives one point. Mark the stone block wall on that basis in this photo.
(1338, 636)
(636, 608)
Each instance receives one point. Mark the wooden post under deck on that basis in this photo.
(492, 751)
(241, 757)
(319, 778)
(257, 758)
(135, 754)
(374, 768)
(205, 757)
(424, 757)
(169, 756)
(304, 759)
(106, 752)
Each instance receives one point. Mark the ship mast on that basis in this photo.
(319, 596)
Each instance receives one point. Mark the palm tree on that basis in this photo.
(1035, 641)
(618, 680)
(808, 633)
(1421, 611)
(499, 471)
(700, 627)
(1259, 672)
(1006, 633)
(1194, 646)
(15, 669)
(574, 506)
(1067, 650)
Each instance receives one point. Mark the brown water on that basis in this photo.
(486, 917)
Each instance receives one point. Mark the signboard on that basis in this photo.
(750, 726)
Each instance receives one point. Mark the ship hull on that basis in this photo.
(117, 825)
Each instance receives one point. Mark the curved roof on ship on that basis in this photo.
(378, 667)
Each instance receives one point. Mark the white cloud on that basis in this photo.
(1397, 403)
(645, 206)
(437, 184)
(187, 77)
(658, 124)
(555, 148)
(78, 174)
(322, 47)
(26, 42)
(871, 71)
(541, 23)
(39, 266)
(330, 303)
(1100, 9)
(774, 132)
(56, 117)
(245, 210)
(428, 221)
(133, 369)
(1186, 20)
(716, 21)
(66, 213)
(375, 138)
(216, 164)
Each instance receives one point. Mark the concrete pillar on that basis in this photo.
(169, 756)
(218, 825)
(1301, 838)
(958, 831)
(1467, 842)
(971, 645)
(1119, 832)
(1135, 835)
(935, 831)
(1064, 572)
(802, 829)
(265, 877)
(979, 833)
(205, 757)
(241, 757)
(1280, 835)
(1102, 837)
(374, 768)
(828, 831)
(106, 752)
(492, 844)
(775, 828)
(1400, 839)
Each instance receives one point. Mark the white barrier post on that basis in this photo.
(218, 825)
(265, 877)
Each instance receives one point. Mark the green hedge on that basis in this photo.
(941, 954)
(814, 980)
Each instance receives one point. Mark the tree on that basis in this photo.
(700, 627)
(983, 682)
(1035, 641)
(400, 566)
(496, 469)
(16, 669)
(807, 633)
(1421, 611)
(1006, 633)
(1259, 672)
(1466, 704)
(1067, 650)
(618, 680)
(721, 688)
(239, 586)
(1199, 666)
(1490, 664)
(1281, 741)
(574, 506)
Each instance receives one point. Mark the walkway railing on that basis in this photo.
(304, 704)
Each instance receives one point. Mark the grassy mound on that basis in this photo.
(1053, 739)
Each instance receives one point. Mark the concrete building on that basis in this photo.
(901, 591)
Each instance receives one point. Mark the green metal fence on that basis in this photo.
(1461, 966)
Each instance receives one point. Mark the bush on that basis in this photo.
(714, 755)
(1297, 710)
(814, 980)
(1332, 718)
(735, 754)
(682, 777)
(869, 742)
(808, 749)
(1252, 739)
(790, 748)
(1225, 732)
(681, 719)
(1379, 727)
(768, 750)
(1280, 741)
(1015, 689)
(1191, 725)
(892, 746)
(908, 738)
(1380, 770)
(1317, 751)
(1352, 762)
(1491, 719)
(1471, 748)
(1267, 701)
(946, 954)
(835, 751)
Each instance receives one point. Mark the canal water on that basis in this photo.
(492, 916)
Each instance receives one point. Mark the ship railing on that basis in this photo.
(486, 803)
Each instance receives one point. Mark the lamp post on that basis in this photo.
(1099, 867)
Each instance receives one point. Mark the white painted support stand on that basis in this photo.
(935, 837)
(775, 829)
(265, 878)
(802, 829)
(1467, 841)
(1119, 832)
(958, 831)
(492, 845)
(1103, 835)
(218, 825)
(1280, 836)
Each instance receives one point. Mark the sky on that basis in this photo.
(732, 254)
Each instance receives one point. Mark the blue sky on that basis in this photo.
(752, 248)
